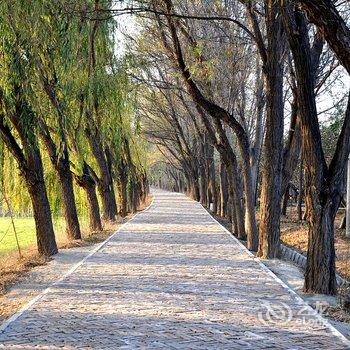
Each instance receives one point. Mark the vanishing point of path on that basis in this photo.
(171, 278)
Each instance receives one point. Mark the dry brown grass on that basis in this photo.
(12, 268)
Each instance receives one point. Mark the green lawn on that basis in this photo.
(25, 228)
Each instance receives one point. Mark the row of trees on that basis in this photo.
(223, 78)
(67, 115)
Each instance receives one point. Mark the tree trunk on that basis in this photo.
(29, 160)
(259, 135)
(236, 190)
(292, 149)
(301, 191)
(203, 186)
(123, 197)
(108, 200)
(285, 202)
(342, 225)
(320, 268)
(105, 184)
(213, 191)
(133, 196)
(229, 157)
(61, 164)
(122, 190)
(212, 179)
(223, 189)
(95, 223)
(34, 177)
(194, 189)
(249, 200)
(69, 206)
(270, 203)
(322, 197)
(110, 160)
(89, 185)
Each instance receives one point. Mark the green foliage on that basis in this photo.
(46, 52)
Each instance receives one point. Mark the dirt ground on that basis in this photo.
(21, 279)
(294, 234)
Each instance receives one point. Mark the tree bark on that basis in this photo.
(212, 179)
(41, 210)
(122, 189)
(236, 192)
(259, 134)
(95, 223)
(203, 184)
(292, 149)
(60, 162)
(270, 203)
(285, 202)
(69, 206)
(87, 182)
(228, 157)
(223, 189)
(320, 268)
(33, 173)
(105, 183)
(301, 191)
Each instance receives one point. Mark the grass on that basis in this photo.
(25, 228)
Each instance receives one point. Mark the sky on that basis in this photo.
(126, 24)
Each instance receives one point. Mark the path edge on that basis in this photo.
(298, 298)
(5, 324)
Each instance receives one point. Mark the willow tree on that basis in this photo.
(98, 51)
(19, 122)
(53, 63)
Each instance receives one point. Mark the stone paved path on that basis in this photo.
(171, 278)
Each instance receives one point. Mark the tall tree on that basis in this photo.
(323, 182)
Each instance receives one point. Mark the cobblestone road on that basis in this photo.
(171, 278)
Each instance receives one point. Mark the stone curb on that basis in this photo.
(300, 260)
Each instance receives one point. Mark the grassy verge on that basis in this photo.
(25, 228)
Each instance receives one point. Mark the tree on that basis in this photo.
(323, 182)
(217, 113)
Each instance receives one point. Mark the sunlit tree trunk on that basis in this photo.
(61, 164)
(105, 183)
(87, 182)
